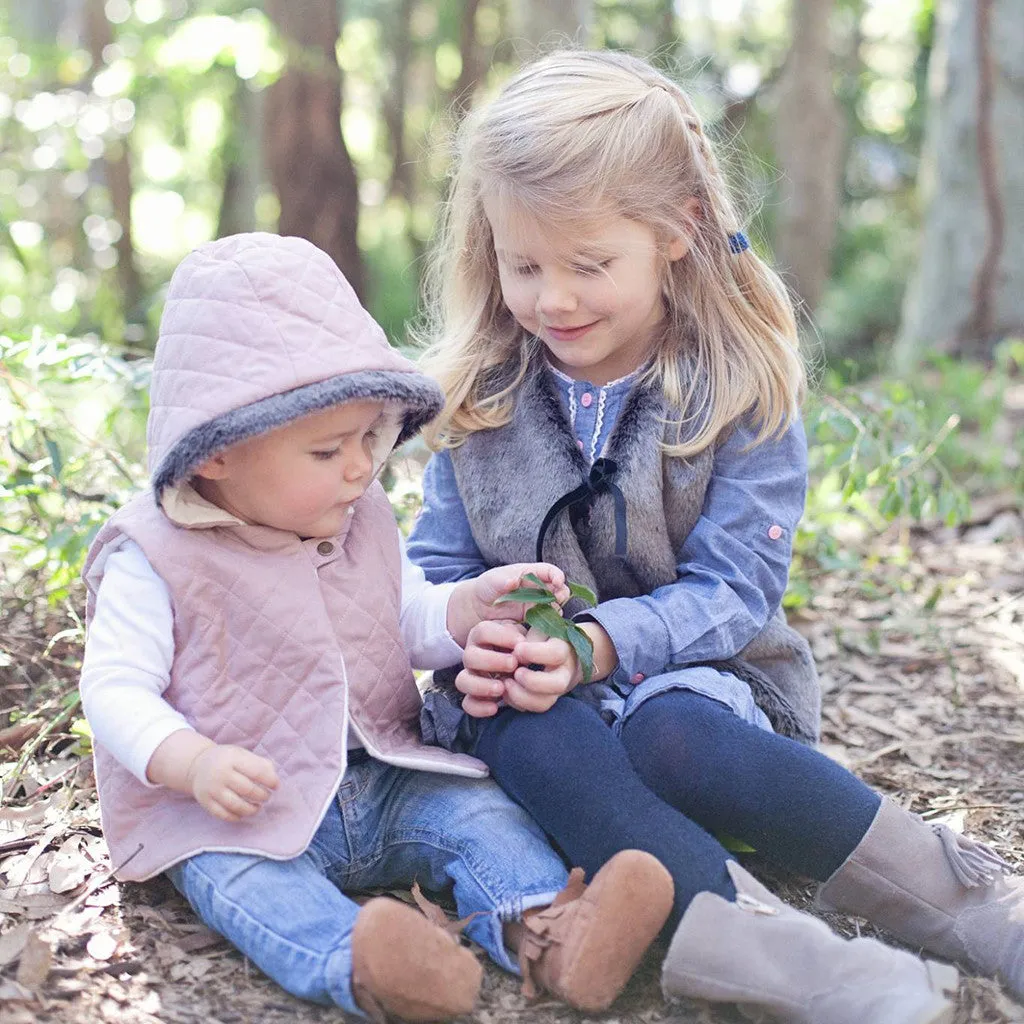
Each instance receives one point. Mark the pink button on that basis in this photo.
(579, 444)
(587, 400)
(775, 531)
(638, 678)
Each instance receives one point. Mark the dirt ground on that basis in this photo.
(922, 664)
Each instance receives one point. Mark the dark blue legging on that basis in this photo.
(684, 767)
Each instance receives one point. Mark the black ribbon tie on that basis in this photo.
(601, 480)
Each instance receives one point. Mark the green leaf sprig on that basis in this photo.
(543, 615)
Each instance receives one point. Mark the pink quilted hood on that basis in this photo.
(259, 330)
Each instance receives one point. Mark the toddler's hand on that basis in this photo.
(488, 664)
(547, 670)
(472, 601)
(230, 782)
(499, 581)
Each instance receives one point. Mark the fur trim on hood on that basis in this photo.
(259, 330)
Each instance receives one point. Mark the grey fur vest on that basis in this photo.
(510, 477)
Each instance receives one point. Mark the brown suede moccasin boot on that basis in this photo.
(586, 945)
(406, 965)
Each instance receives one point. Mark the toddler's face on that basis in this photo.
(592, 296)
(304, 476)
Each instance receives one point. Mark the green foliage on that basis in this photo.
(73, 414)
(159, 106)
(986, 453)
(860, 312)
(873, 458)
(884, 452)
(543, 615)
(83, 742)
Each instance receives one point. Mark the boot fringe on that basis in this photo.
(531, 949)
(974, 864)
(435, 915)
(537, 931)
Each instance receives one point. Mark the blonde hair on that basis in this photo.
(576, 133)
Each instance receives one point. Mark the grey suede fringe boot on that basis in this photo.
(936, 891)
(778, 963)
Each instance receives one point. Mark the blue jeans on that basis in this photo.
(681, 769)
(386, 827)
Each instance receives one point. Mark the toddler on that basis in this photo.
(253, 620)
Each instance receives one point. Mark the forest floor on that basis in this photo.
(922, 665)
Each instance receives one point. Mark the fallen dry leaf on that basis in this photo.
(33, 814)
(111, 1011)
(169, 954)
(14, 737)
(34, 904)
(34, 965)
(11, 991)
(77, 923)
(105, 896)
(13, 942)
(21, 873)
(431, 911)
(201, 939)
(193, 969)
(69, 868)
(12, 842)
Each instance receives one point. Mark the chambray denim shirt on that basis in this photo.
(732, 567)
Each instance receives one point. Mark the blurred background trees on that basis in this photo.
(863, 134)
(968, 289)
(874, 145)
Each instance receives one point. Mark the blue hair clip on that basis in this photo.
(738, 243)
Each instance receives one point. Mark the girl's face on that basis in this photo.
(304, 476)
(593, 295)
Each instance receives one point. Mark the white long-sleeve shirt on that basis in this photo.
(130, 648)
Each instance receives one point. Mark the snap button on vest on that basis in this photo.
(325, 547)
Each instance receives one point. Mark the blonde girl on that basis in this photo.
(623, 385)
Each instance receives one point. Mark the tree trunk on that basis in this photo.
(551, 23)
(39, 21)
(968, 290)
(667, 28)
(469, 51)
(808, 145)
(399, 43)
(116, 166)
(310, 168)
(243, 162)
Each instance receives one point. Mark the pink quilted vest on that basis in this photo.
(281, 644)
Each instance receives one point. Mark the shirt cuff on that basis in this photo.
(437, 647)
(641, 641)
(143, 747)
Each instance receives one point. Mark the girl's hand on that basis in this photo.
(472, 601)
(548, 669)
(488, 664)
(231, 782)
